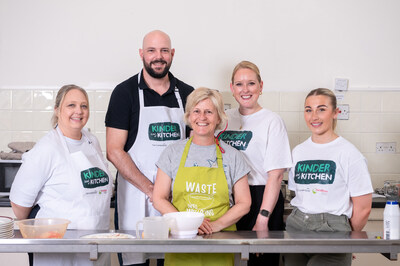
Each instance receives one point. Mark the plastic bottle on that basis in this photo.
(391, 220)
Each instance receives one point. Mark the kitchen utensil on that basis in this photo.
(392, 190)
(109, 236)
(6, 227)
(185, 224)
(156, 227)
(43, 227)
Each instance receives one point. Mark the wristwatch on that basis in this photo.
(264, 212)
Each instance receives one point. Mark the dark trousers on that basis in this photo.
(32, 215)
(275, 223)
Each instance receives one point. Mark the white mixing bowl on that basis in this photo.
(185, 224)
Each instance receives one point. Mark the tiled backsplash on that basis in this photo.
(374, 117)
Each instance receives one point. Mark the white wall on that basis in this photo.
(298, 45)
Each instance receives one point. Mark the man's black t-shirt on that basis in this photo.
(123, 108)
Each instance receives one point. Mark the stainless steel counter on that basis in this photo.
(241, 243)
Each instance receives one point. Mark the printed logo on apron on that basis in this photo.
(237, 139)
(94, 177)
(315, 172)
(164, 131)
(200, 197)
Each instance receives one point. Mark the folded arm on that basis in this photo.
(361, 210)
(20, 211)
(116, 139)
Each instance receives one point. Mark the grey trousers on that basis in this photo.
(323, 222)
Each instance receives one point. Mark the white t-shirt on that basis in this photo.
(326, 176)
(235, 166)
(45, 175)
(263, 140)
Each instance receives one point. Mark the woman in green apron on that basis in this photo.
(203, 175)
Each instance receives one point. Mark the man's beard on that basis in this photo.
(154, 74)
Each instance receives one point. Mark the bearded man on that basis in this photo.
(145, 114)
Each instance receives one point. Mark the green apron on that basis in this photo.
(205, 190)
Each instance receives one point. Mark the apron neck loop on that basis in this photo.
(217, 138)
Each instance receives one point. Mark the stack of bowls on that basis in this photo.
(6, 227)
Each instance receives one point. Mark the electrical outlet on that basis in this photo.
(341, 84)
(386, 147)
(344, 110)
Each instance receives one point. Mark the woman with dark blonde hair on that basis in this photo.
(204, 162)
(261, 136)
(65, 175)
(330, 178)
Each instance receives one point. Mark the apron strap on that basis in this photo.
(141, 98)
(185, 153)
(178, 98)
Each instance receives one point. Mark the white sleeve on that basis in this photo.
(291, 184)
(165, 162)
(277, 153)
(35, 170)
(359, 178)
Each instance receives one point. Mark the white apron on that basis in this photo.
(158, 127)
(86, 201)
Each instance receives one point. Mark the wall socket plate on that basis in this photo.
(344, 110)
(386, 147)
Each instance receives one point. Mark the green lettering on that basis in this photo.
(300, 167)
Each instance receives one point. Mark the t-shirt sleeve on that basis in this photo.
(291, 184)
(119, 109)
(240, 167)
(165, 161)
(277, 153)
(31, 177)
(359, 178)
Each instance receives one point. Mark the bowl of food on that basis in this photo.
(184, 224)
(43, 227)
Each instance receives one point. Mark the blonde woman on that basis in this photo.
(260, 135)
(330, 178)
(50, 182)
(202, 161)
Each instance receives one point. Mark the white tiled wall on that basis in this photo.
(374, 117)
(25, 115)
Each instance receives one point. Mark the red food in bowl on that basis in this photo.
(43, 227)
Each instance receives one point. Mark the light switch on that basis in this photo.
(341, 84)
